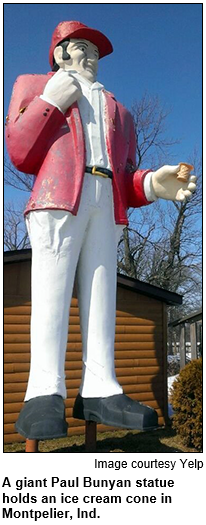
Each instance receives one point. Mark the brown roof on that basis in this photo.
(134, 285)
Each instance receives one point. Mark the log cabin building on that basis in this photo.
(140, 344)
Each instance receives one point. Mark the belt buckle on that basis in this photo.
(95, 172)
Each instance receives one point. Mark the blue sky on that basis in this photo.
(157, 48)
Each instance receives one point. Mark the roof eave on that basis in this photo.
(134, 285)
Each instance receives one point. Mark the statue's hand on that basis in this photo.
(167, 186)
(62, 90)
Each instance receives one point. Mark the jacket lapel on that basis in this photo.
(110, 117)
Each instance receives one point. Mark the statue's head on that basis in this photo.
(78, 47)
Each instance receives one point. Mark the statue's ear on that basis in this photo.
(58, 52)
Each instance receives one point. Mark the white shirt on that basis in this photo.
(92, 109)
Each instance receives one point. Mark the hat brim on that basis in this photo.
(96, 37)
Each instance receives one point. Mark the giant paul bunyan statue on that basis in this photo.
(79, 142)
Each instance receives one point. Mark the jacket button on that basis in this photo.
(45, 114)
(47, 109)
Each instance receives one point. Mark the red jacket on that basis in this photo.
(44, 142)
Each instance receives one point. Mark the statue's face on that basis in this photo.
(83, 58)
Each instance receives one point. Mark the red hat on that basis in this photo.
(78, 30)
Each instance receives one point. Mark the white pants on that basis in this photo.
(62, 243)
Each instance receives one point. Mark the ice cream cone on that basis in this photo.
(184, 171)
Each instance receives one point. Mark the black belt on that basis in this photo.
(98, 170)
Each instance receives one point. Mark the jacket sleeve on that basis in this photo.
(32, 125)
(134, 177)
(135, 189)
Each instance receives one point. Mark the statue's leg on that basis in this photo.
(96, 278)
(56, 238)
(54, 260)
(101, 398)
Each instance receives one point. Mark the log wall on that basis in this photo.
(140, 350)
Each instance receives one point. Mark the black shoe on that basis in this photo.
(42, 417)
(116, 411)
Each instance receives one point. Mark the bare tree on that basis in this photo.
(162, 244)
(16, 179)
(15, 233)
(153, 146)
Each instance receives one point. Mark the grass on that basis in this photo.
(163, 440)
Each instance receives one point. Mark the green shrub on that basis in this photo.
(186, 399)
